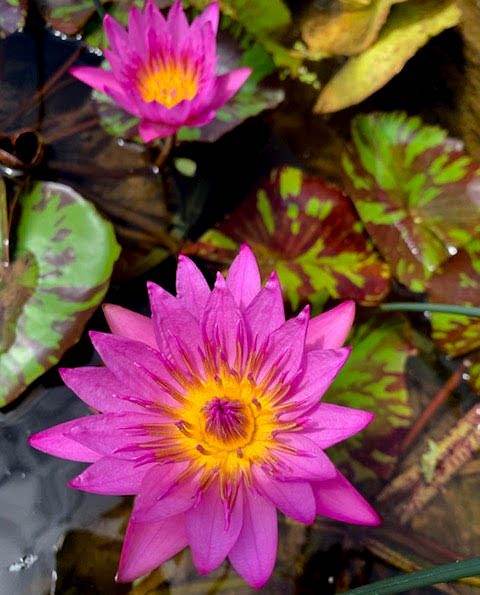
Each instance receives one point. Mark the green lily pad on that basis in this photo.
(374, 379)
(12, 16)
(457, 282)
(415, 189)
(58, 274)
(409, 27)
(309, 233)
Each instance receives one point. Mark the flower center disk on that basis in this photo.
(167, 83)
(228, 423)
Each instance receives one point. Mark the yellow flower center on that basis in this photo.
(168, 83)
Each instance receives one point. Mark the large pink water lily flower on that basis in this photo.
(163, 70)
(211, 415)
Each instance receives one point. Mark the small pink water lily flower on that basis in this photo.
(163, 70)
(211, 415)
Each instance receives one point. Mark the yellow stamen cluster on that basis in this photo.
(168, 83)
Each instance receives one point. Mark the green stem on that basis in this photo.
(422, 578)
(426, 307)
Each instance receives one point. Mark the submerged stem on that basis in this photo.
(444, 573)
(165, 151)
(427, 307)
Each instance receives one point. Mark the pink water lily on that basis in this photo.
(163, 71)
(211, 415)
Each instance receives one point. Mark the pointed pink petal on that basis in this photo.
(152, 130)
(334, 423)
(320, 370)
(161, 496)
(192, 289)
(338, 499)
(98, 78)
(135, 365)
(228, 84)
(177, 22)
(98, 388)
(136, 30)
(330, 329)
(129, 324)
(294, 498)
(111, 476)
(308, 463)
(176, 329)
(253, 555)
(55, 441)
(117, 35)
(285, 347)
(111, 433)
(147, 545)
(243, 277)
(209, 536)
(211, 15)
(265, 312)
(223, 321)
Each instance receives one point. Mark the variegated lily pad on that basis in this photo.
(67, 16)
(374, 379)
(57, 275)
(309, 233)
(416, 191)
(12, 16)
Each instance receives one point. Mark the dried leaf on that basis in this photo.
(62, 261)
(309, 233)
(408, 28)
(374, 379)
(416, 191)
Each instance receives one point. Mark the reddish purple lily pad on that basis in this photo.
(415, 189)
(309, 233)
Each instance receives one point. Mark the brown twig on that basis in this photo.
(164, 154)
(80, 127)
(434, 405)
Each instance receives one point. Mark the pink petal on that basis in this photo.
(253, 555)
(56, 441)
(147, 545)
(285, 347)
(111, 433)
(177, 22)
(98, 388)
(330, 329)
(192, 289)
(338, 499)
(211, 15)
(97, 78)
(152, 130)
(117, 36)
(294, 498)
(136, 30)
(320, 370)
(308, 463)
(135, 365)
(129, 324)
(243, 277)
(228, 84)
(161, 496)
(222, 320)
(112, 477)
(176, 329)
(334, 423)
(265, 312)
(209, 536)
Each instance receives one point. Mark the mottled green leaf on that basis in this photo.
(67, 16)
(409, 27)
(374, 379)
(416, 191)
(12, 16)
(309, 233)
(60, 270)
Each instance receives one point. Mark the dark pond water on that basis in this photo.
(54, 540)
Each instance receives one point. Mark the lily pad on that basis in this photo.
(457, 282)
(415, 189)
(409, 27)
(12, 16)
(59, 272)
(374, 379)
(67, 16)
(309, 233)
(345, 29)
